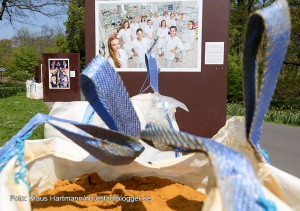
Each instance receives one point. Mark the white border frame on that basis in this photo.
(49, 65)
(200, 19)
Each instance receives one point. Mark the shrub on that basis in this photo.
(9, 89)
(235, 89)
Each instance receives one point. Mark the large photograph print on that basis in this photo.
(59, 73)
(126, 30)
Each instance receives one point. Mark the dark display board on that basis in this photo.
(61, 74)
(204, 92)
(38, 77)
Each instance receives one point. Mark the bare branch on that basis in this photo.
(2, 9)
(17, 10)
(291, 63)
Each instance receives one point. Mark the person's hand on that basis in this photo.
(173, 50)
(135, 54)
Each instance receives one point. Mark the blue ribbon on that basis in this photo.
(104, 89)
(152, 68)
(235, 177)
(275, 22)
(109, 146)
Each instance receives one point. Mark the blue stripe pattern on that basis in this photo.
(104, 90)
(109, 146)
(236, 180)
(275, 22)
(87, 117)
(152, 70)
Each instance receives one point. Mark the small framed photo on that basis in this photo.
(59, 73)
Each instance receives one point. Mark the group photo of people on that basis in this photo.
(59, 74)
(126, 32)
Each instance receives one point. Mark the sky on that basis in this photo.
(7, 31)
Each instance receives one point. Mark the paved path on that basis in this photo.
(283, 146)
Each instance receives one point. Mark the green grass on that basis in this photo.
(280, 115)
(15, 112)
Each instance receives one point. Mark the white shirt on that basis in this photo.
(166, 18)
(171, 23)
(155, 23)
(125, 35)
(140, 47)
(171, 43)
(122, 57)
(133, 28)
(149, 32)
(188, 38)
(162, 33)
(143, 25)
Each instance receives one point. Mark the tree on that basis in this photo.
(234, 90)
(75, 30)
(23, 37)
(5, 49)
(61, 43)
(239, 14)
(293, 54)
(25, 58)
(288, 87)
(5, 54)
(45, 41)
(20, 54)
(20, 10)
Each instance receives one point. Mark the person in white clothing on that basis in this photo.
(171, 46)
(139, 49)
(117, 56)
(155, 23)
(171, 21)
(149, 35)
(179, 16)
(133, 27)
(162, 33)
(187, 39)
(125, 36)
(150, 15)
(143, 23)
(166, 16)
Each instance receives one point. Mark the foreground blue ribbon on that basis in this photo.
(109, 146)
(103, 88)
(235, 178)
(275, 22)
(152, 68)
